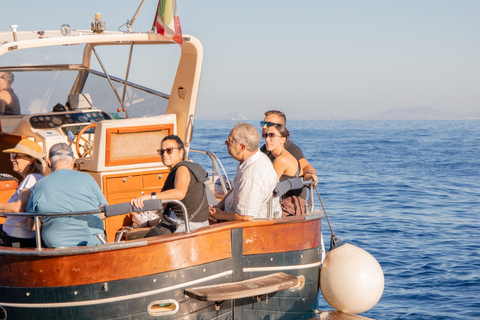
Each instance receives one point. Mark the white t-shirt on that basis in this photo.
(253, 186)
(18, 226)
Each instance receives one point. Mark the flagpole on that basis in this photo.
(156, 15)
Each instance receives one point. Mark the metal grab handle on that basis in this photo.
(100, 237)
(185, 214)
(283, 187)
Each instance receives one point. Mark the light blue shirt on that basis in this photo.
(62, 191)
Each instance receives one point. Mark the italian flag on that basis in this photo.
(168, 23)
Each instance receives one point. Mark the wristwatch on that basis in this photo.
(153, 195)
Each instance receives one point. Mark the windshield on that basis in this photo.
(138, 101)
(39, 92)
(42, 79)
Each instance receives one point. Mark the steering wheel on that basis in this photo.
(84, 146)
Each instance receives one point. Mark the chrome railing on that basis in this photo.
(101, 210)
(217, 170)
(285, 186)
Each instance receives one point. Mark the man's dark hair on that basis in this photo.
(277, 113)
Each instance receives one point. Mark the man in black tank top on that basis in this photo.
(9, 103)
(275, 116)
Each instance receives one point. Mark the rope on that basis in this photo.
(334, 240)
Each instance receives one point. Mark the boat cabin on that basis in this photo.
(81, 89)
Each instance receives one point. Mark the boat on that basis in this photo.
(71, 90)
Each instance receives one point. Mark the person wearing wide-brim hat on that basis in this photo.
(27, 160)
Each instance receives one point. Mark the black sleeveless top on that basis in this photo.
(195, 197)
(14, 106)
(302, 193)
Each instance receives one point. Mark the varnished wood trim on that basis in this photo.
(11, 138)
(282, 237)
(132, 188)
(159, 256)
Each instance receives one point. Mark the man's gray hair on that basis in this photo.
(60, 158)
(246, 134)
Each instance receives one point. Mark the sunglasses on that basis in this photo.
(270, 135)
(228, 142)
(167, 150)
(268, 123)
(15, 156)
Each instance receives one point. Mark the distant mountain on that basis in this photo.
(423, 113)
(420, 113)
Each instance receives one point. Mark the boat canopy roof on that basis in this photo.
(128, 75)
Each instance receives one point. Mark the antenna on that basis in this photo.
(130, 22)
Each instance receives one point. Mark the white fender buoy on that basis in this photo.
(351, 279)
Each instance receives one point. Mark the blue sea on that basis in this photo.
(408, 192)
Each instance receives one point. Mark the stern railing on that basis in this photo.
(107, 210)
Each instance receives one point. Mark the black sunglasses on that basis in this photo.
(270, 135)
(268, 123)
(167, 150)
(15, 156)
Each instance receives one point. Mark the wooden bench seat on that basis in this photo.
(243, 289)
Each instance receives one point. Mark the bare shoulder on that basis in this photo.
(284, 161)
(4, 94)
(183, 171)
(287, 158)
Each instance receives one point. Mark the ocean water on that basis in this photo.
(408, 192)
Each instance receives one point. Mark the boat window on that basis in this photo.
(42, 56)
(139, 102)
(40, 91)
(47, 75)
(163, 307)
(152, 66)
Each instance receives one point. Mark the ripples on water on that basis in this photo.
(408, 192)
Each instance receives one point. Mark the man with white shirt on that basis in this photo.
(254, 179)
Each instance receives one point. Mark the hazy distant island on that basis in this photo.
(420, 113)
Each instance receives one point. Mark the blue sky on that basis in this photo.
(310, 59)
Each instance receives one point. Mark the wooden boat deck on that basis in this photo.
(243, 289)
(336, 315)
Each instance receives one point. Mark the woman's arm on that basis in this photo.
(182, 180)
(31, 223)
(18, 206)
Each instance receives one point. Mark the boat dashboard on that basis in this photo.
(67, 121)
(64, 126)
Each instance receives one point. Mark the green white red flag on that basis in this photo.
(167, 22)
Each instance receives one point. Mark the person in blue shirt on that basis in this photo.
(67, 190)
